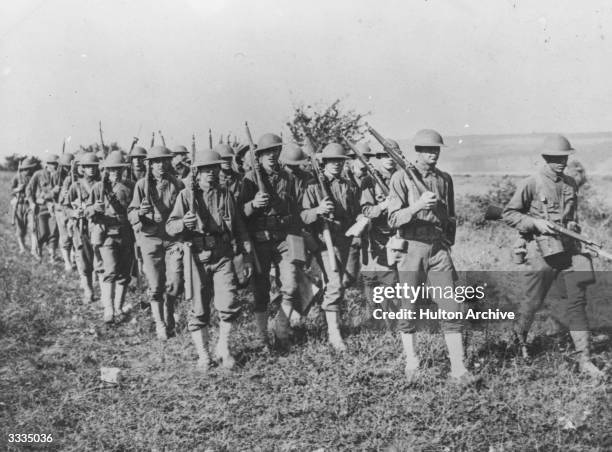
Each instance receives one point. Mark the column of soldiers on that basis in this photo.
(199, 225)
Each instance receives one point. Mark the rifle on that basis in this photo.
(210, 143)
(102, 140)
(82, 232)
(407, 167)
(326, 195)
(369, 168)
(152, 139)
(63, 146)
(134, 141)
(19, 195)
(256, 171)
(189, 286)
(260, 185)
(495, 213)
(162, 137)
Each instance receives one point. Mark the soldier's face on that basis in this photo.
(269, 158)
(334, 166)
(428, 155)
(177, 161)
(160, 167)
(227, 164)
(386, 162)
(208, 175)
(114, 174)
(52, 167)
(557, 163)
(88, 170)
(138, 163)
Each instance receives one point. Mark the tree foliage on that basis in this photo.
(326, 124)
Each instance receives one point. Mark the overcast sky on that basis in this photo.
(459, 66)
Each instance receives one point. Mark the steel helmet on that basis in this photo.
(66, 159)
(180, 150)
(365, 149)
(428, 138)
(138, 152)
(52, 158)
(292, 154)
(556, 145)
(268, 141)
(207, 158)
(159, 152)
(114, 160)
(28, 162)
(334, 151)
(224, 150)
(89, 159)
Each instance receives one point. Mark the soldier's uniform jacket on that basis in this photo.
(346, 205)
(114, 219)
(371, 196)
(301, 180)
(20, 179)
(163, 194)
(219, 224)
(41, 188)
(428, 224)
(281, 215)
(560, 192)
(77, 195)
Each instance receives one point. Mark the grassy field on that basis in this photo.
(52, 347)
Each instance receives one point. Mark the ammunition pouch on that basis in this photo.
(272, 223)
(208, 247)
(424, 233)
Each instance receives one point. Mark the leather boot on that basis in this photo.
(222, 350)
(168, 313)
(200, 341)
(261, 321)
(106, 298)
(333, 330)
(118, 301)
(282, 328)
(160, 326)
(412, 360)
(87, 288)
(581, 342)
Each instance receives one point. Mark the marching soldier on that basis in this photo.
(19, 201)
(425, 220)
(180, 162)
(215, 232)
(316, 210)
(42, 192)
(75, 203)
(550, 196)
(107, 210)
(293, 159)
(228, 177)
(148, 212)
(136, 169)
(380, 269)
(65, 241)
(270, 217)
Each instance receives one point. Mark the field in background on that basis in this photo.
(517, 154)
(52, 348)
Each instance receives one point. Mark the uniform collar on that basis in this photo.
(548, 172)
(424, 169)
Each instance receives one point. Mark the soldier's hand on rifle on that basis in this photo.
(98, 207)
(427, 201)
(543, 226)
(56, 189)
(19, 188)
(79, 212)
(574, 227)
(190, 220)
(325, 207)
(247, 269)
(261, 200)
(145, 209)
(384, 205)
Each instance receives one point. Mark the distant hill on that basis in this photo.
(517, 154)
